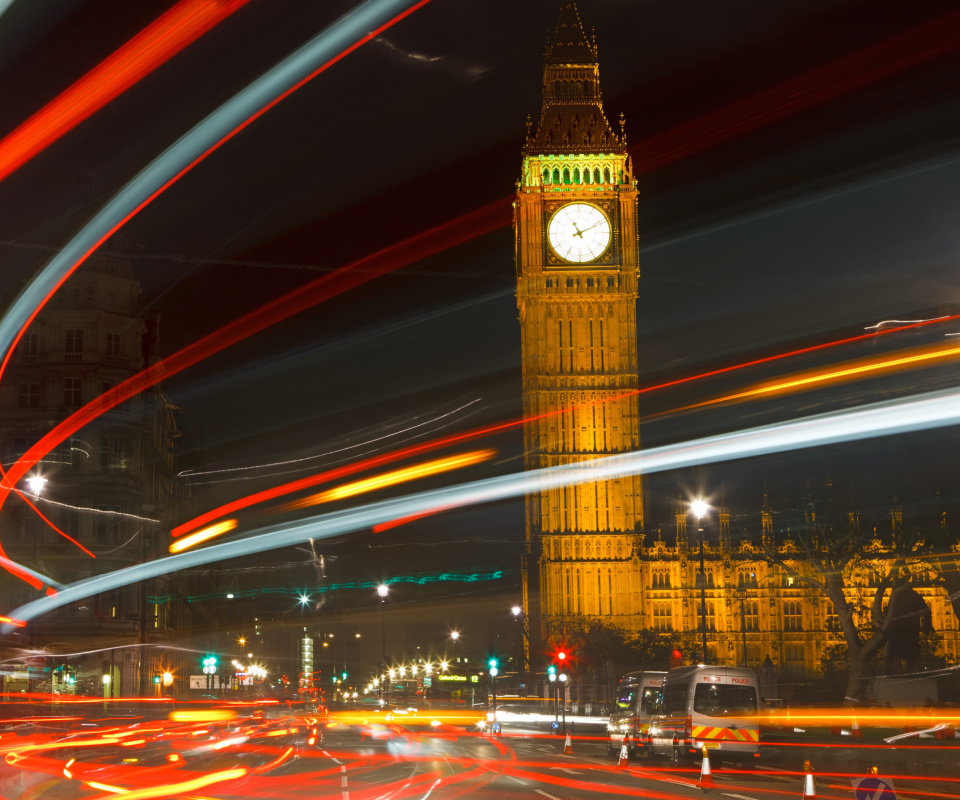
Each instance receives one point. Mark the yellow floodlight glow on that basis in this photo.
(202, 535)
(393, 477)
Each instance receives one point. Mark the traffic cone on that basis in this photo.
(568, 746)
(855, 729)
(809, 787)
(624, 752)
(706, 774)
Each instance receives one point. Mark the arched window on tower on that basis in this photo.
(546, 175)
(596, 175)
(606, 170)
(566, 173)
(556, 175)
(576, 174)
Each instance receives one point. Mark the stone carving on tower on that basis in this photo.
(577, 273)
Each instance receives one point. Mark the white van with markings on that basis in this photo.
(637, 697)
(712, 707)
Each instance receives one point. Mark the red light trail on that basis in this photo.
(156, 44)
(457, 438)
(833, 80)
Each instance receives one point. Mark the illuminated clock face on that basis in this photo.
(579, 232)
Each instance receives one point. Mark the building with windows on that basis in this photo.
(108, 491)
(587, 550)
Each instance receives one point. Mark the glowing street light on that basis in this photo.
(516, 611)
(304, 599)
(383, 590)
(455, 635)
(242, 641)
(700, 509)
(36, 484)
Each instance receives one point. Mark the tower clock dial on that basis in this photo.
(579, 232)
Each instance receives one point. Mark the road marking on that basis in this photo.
(540, 791)
(568, 771)
(522, 783)
(430, 789)
(737, 796)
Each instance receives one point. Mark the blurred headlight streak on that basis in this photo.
(160, 41)
(203, 535)
(172, 789)
(932, 410)
(404, 475)
(360, 25)
(206, 715)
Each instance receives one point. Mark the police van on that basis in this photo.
(715, 707)
(637, 697)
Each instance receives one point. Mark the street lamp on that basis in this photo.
(36, 484)
(517, 612)
(700, 509)
(382, 592)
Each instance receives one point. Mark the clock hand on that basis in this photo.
(578, 232)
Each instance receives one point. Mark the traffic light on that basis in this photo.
(676, 659)
(156, 679)
(492, 663)
(561, 656)
(209, 665)
(343, 675)
(552, 672)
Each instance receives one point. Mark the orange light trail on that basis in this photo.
(17, 623)
(154, 374)
(171, 789)
(839, 77)
(203, 535)
(380, 460)
(393, 478)
(156, 44)
(856, 369)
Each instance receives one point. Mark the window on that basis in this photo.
(831, 620)
(711, 616)
(72, 393)
(675, 700)
(549, 283)
(751, 615)
(793, 656)
(74, 340)
(661, 580)
(611, 282)
(724, 700)
(27, 346)
(662, 617)
(112, 453)
(108, 525)
(747, 580)
(28, 395)
(113, 344)
(792, 616)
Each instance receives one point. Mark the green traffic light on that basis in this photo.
(492, 663)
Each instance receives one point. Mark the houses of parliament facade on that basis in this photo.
(588, 552)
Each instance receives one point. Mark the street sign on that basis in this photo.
(37, 662)
(873, 788)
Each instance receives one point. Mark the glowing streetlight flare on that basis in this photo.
(699, 508)
(383, 590)
(36, 484)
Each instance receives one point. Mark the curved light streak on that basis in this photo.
(202, 535)
(933, 410)
(156, 44)
(327, 48)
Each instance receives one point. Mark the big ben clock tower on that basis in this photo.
(577, 271)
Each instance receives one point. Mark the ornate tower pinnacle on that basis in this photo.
(576, 260)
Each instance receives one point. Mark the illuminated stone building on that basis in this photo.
(110, 487)
(576, 256)
(587, 550)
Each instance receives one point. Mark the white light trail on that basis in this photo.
(153, 179)
(933, 410)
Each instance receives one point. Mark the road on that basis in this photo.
(410, 762)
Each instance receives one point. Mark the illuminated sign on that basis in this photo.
(454, 678)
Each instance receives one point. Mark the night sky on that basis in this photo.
(798, 163)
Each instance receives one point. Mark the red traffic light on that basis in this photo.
(561, 655)
(676, 659)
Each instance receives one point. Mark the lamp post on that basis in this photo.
(517, 612)
(700, 508)
(382, 592)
